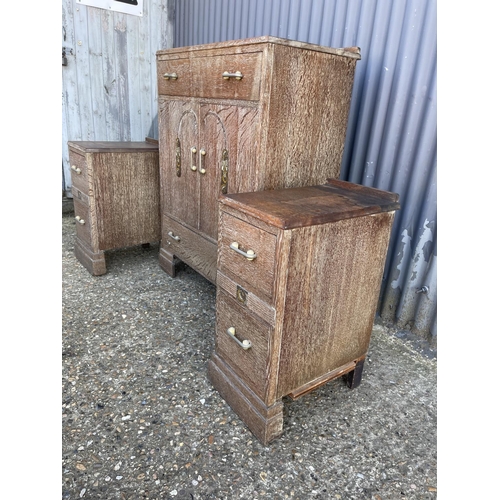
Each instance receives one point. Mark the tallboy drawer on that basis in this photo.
(233, 76)
(79, 172)
(249, 364)
(175, 77)
(190, 247)
(247, 254)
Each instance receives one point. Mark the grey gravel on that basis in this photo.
(140, 420)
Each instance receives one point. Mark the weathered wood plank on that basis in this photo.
(109, 84)
(110, 77)
(96, 74)
(83, 86)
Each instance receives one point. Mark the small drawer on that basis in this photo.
(233, 76)
(250, 364)
(247, 299)
(79, 172)
(82, 220)
(238, 239)
(175, 77)
(190, 247)
(82, 198)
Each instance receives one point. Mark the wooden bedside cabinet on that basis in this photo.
(116, 196)
(298, 280)
(239, 116)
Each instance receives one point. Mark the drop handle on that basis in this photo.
(249, 254)
(173, 236)
(245, 344)
(236, 75)
(202, 161)
(170, 76)
(80, 220)
(76, 169)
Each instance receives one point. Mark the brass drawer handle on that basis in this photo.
(80, 220)
(170, 76)
(246, 344)
(76, 169)
(202, 161)
(227, 75)
(173, 236)
(249, 254)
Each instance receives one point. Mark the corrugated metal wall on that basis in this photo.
(391, 140)
(109, 83)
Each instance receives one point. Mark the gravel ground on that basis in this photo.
(140, 419)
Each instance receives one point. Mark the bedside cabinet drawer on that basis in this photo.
(248, 254)
(249, 364)
(79, 172)
(82, 220)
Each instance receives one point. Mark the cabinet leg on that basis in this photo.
(354, 377)
(167, 262)
(94, 262)
(265, 422)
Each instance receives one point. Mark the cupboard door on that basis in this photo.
(179, 160)
(228, 152)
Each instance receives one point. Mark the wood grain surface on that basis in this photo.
(258, 274)
(282, 125)
(335, 272)
(321, 278)
(250, 364)
(116, 191)
(127, 198)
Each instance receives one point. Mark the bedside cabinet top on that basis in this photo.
(308, 206)
(113, 146)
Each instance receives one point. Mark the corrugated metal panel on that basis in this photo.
(109, 84)
(391, 141)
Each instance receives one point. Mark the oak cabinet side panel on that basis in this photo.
(308, 112)
(127, 198)
(335, 271)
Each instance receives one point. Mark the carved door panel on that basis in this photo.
(179, 160)
(228, 151)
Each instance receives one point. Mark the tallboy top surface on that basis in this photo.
(308, 206)
(353, 52)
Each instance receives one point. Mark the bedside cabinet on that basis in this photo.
(240, 116)
(116, 196)
(298, 279)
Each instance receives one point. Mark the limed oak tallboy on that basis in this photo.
(243, 116)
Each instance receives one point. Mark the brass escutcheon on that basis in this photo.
(241, 294)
